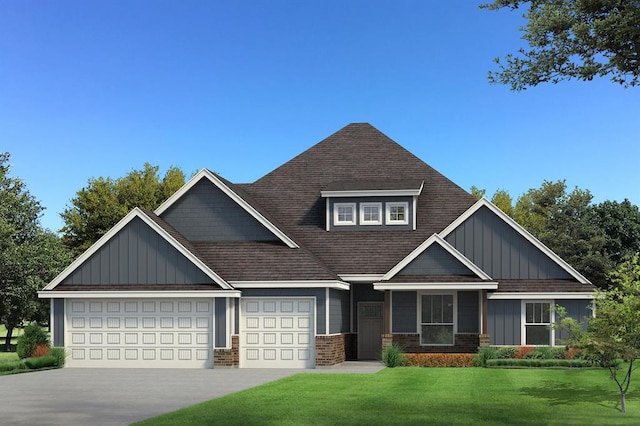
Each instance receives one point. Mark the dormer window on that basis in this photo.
(344, 214)
(370, 213)
(397, 213)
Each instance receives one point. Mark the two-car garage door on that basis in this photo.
(172, 333)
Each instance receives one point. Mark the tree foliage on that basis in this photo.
(620, 223)
(29, 255)
(104, 201)
(614, 333)
(573, 39)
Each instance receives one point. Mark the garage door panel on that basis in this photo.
(277, 333)
(140, 333)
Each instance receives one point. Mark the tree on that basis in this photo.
(614, 333)
(29, 255)
(620, 223)
(477, 192)
(573, 39)
(104, 201)
(503, 201)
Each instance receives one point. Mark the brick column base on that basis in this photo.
(330, 350)
(228, 357)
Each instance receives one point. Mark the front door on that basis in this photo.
(370, 326)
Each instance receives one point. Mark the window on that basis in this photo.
(344, 214)
(537, 323)
(397, 213)
(436, 319)
(370, 213)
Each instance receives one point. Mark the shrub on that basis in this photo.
(40, 350)
(506, 352)
(393, 356)
(59, 354)
(540, 363)
(440, 360)
(12, 366)
(522, 351)
(485, 353)
(558, 352)
(572, 353)
(541, 352)
(32, 336)
(41, 362)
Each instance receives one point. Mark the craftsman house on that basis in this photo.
(351, 245)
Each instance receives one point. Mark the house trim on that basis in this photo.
(361, 278)
(435, 238)
(531, 295)
(140, 294)
(138, 213)
(338, 285)
(204, 173)
(374, 193)
(436, 286)
(519, 229)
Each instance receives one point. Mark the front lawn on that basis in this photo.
(422, 396)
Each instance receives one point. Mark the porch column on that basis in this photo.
(387, 312)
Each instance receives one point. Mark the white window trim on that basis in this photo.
(370, 222)
(388, 206)
(337, 222)
(455, 314)
(523, 316)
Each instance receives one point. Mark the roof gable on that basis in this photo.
(503, 248)
(139, 246)
(228, 215)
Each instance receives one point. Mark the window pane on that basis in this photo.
(371, 214)
(426, 309)
(529, 314)
(345, 214)
(447, 308)
(546, 313)
(537, 335)
(436, 306)
(437, 335)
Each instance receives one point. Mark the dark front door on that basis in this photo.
(370, 326)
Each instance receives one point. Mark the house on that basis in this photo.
(351, 245)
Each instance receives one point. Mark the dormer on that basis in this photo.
(371, 204)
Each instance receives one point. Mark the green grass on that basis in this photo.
(8, 356)
(451, 396)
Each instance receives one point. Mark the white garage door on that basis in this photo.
(277, 333)
(171, 333)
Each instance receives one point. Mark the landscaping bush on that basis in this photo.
(572, 353)
(59, 354)
(485, 353)
(41, 362)
(532, 362)
(440, 360)
(506, 352)
(541, 352)
(32, 336)
(12, 366)
(393, 356)
(522, 351)
(40, 350)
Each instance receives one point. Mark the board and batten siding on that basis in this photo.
(435, 260)
(504, 321)
(57, 332)
(137, 255)
(580, 310)
(404, 311)
(205, 213)
(468, 312)
(220, 310)
(500, 251)
(338, 311)
(318, 293)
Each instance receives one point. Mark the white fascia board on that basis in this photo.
(338, 285)
(519, 229)
(531, 295)
(436, 286)
(373, 193)
(361, 278)
(204, 173)
(435, 238)
(138, 294)
(136, 212)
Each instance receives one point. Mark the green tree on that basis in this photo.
(104, 201)
(29, 255)
(573, 39)
(477, 192)
(614, 333)
(503, 201)
(620, 223)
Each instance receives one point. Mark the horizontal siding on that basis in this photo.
(137, 255)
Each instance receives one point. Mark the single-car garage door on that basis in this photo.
(171, 333)
(277, 333)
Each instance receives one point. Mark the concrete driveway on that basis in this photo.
(116, 396)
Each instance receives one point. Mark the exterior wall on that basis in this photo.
(500, 251)
(468, 312)
(206, 213)
(228, 357)
(339, 311)
(363, 293)
(435, 260)
(404, 312)
(580, 310)
(220, 310)
(318, 293)
(504, 321)
(383, 226)
(410, 342)
(137, 255)
(330, 350)
(57, 331)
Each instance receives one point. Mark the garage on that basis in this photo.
(277, 333)
(151, 333)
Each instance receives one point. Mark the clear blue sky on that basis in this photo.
(98, 88)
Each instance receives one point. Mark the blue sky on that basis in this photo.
(98, 88)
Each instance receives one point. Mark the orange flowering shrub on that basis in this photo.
(572, 353)
(40, 350)
(440, 360)
(523, 351)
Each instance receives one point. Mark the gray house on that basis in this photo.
(351, 245)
